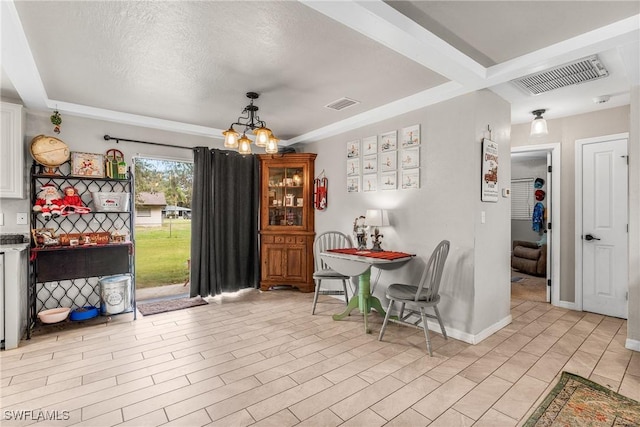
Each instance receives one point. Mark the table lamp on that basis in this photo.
(376, 218)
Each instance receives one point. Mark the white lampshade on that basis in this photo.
(377, 218)
(539, 124)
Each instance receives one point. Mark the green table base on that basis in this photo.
(364, 301)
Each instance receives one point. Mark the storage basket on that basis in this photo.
(110, 202)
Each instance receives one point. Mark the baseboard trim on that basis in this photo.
(632, 344)
(568, 305)
(470, 338)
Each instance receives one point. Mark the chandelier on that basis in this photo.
(250, 121)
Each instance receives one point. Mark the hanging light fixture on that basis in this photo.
(539, 124)
(250, 121)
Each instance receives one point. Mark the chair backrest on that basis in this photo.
(329, 240)
(430, 280)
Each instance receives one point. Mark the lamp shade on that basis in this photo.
(262, 136)
(244, 145)
(376, 218)
(231, 138)
(539, 124)
(272, 145)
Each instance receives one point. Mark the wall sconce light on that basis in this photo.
(376, 218)
(539, 124)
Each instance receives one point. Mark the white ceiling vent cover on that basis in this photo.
(583, 70)
(342, 103)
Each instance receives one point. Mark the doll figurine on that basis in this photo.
(48, 202)
(72, 203)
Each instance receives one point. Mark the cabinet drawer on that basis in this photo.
(289, 240)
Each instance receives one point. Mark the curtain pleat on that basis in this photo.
(224, 225)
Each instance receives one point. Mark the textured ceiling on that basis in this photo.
(185, 66)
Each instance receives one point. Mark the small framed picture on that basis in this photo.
(353, 184)
(87, 164)
(353, 167)
(353, 149)
(388, 181)
(370, 164)
(388, 161)
(411, 136)
(370, 145)
(370, 183)
(410, 158)
(388, 141)
(44, 237)
(410, 178)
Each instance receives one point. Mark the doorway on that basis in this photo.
(602, 225)
(535, 224)
(162, 224)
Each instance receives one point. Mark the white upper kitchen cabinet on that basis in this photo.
(12, 151)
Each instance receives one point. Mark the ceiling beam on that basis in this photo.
(385, 25)
(17, 59)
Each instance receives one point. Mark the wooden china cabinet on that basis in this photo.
(286, 220)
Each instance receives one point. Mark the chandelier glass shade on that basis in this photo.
(250, 121)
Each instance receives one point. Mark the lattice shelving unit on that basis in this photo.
(67, 276)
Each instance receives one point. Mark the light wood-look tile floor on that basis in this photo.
(260, 358)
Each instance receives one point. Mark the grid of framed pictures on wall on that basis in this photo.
(384, 162)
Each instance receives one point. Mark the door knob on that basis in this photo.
(589, 237)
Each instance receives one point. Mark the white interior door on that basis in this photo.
(604, 227)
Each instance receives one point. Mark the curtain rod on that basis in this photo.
(107, 138)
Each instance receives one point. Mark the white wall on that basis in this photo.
(86, 135)
(566, 131)
(475, 288)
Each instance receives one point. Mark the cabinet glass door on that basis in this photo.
(286, 196)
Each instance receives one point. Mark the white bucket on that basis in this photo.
(115, 294)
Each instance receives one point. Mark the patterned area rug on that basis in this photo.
(576, 401)
(169, 305)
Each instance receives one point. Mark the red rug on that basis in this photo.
(371, 254)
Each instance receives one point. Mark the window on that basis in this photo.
(522, 199)
(143, 212)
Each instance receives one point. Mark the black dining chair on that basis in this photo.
(424, 294)
(323, 242)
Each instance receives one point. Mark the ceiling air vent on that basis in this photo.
(342, 103)
(583, 70)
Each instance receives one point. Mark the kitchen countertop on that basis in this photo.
(14, 247)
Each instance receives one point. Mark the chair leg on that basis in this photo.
(315, 297)
(346, 295)
(401, 311)
(386, 319)
(426, 330)
(444, 333)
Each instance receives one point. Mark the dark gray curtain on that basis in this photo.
(224, 224)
